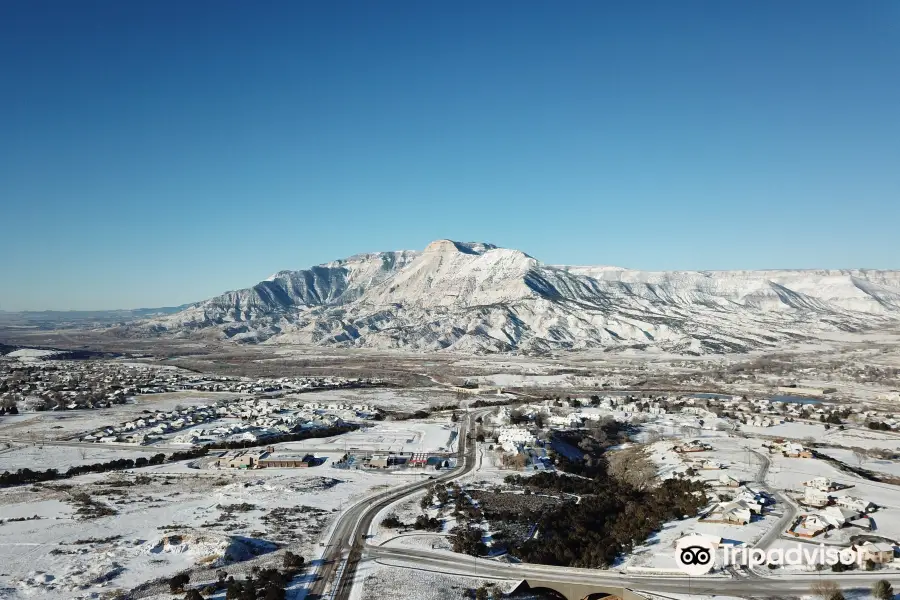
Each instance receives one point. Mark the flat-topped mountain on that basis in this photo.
(476, 297)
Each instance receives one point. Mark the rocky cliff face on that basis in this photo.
(480, 298)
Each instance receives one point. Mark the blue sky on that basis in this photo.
(156, 153)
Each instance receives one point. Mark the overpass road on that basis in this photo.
(455, 564)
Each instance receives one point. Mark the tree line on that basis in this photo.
(260, 583)
(25, 476)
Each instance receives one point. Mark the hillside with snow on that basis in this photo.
(476, 297)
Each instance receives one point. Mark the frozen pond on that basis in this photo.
(794, 399)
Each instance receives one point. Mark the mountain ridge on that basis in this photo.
(478, 297)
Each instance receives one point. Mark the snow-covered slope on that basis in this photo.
(480, 298)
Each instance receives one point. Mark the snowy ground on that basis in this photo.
(31, 354)
(489, 470)
(863, 438)
(391, 436)
(517, 380)
(679, 426)
(657, 553)
(382, 581)
(176, 519)
(887, 467)
(43, 457)
(790, 473)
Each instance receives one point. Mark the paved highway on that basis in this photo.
(790, 507)
(347, 549)
(346, 544)
(756, 585)
(447, 562)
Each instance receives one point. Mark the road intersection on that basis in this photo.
(347, 549)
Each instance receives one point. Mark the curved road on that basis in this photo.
(790, 510)
(794, 584)
(346, 544)
(447, 562)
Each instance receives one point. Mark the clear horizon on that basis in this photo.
(160, 154)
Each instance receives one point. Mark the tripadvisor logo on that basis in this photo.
(696, 555)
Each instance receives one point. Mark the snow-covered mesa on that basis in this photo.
(476, 297)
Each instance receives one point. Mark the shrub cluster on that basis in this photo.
(25, 476)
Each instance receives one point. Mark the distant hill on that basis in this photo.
(53, 319)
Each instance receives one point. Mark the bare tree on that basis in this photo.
(513, 461)
(691, 431)
(827, 590)
(883, 590)
(882, 453)
(860, 455)
(633, 466)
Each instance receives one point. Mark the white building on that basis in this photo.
(857, 504)
(726, 479)
(569, 420)
(815, 497)
(736, 513)
(513, 437)
(839, 516)
(820, 483)
(876, 552)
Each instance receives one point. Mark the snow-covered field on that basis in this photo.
(489, 470)
(381, 581)
(849, 437)
(657, 553)
(31, 354)
(43, 457)
(887, 467)
(390, 436)
(171, 518)
(515, 380)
